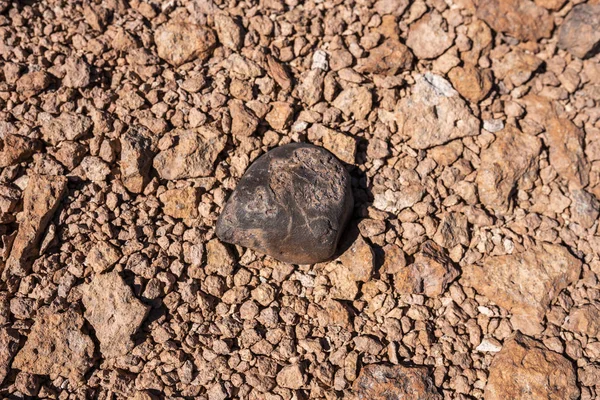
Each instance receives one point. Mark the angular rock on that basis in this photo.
(57, 346)
(136, 158)
(9, 198)
(507, 164)
(452, 231)
(102, 256)
(394, 7)
(94, 169)
(434, 114)
(33, 83)
(294, 198)
(280, 115)
(585, 208)
(181, 203)
(40, 199)
(516, 67)
(193, 156)
(567, 156)
(356, 102)
(407, 191)
(77, 73)
(359, 260)
(9, 344)
(310, 90)
(383, 382)
(218, 258)
(242, 67)
(525, 369)
(522, 19)
(178, 42)
(525, 283)
(342, 146)
(579, 33)
(472, 83)
(67, 126)
(389, 58)
(114, 312)
(551, 4)
(229, 32)
(243, 121)
(279, 73)
(291, 377)
(428, 38)
(430, 273)
(585, 320)
(15, 149)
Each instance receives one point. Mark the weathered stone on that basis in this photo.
(585, 208)
(181, 203)
(279, 73)
(33, 83)
(472, 83)
(57, 346)
(359, 260)
(389, 58)
(516, 67)
(243, 121)
(178, 42)
(229, 32)
(193, 156)
(102, 256)
(580, 31)
(310, 90)
(585, 320)
(94, 169)
(507, 164)
(15, 149)
(452, 231)
(242, 67)
(428, 38)
(218, 258)
(280, 115)
(567, 157)
(525, 369)
(77, 73)
(67, 126)
(9, 344)
(356, 102)
(291, 377)
(41, 198)
(114, 312)
(434, 114)
(522, 19)
(291, 204)
(430, 273)
(136, 159)
(383, 382)
(342, 146)
(525, 283)
(404, 193)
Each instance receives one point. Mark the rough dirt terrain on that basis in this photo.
(471, 133)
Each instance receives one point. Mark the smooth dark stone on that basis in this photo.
(292, 204)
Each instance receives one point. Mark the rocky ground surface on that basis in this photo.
(471, 133)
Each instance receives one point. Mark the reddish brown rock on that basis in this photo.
(279, 73)
(102, 256)
(341, 145)
(389, 58)
(77, 73)
(507, 164)
(430, 273)
(580, 31)
(516, 67)
(585, 320)
(525, 283)
(229, 32)
(280, 115)
(40, 199)
(356, 102)
(33, 83)
(57, 346)
(472, 83)
(522, 19)
(243, 121)
(9, 344)
(136, 159)
(15, 149)
(291, 377)
(181, 203)
(524, 369)
(383, 382)
(567, 156)
(310, 88)
(67, 126)
(430, 36)
(178, 42)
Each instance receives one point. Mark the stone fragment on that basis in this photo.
(430, 36)
(193, 156)
(67, 126)
(489, 345)
(525, 283)
(310, 89)
(291, 377)
(294, 198)
(218, 258)
(57, 346)
(69, 153)
(359, 260)
(94, 169)
(229, 32)
(355, 101)
(430, 273)
(579, 33)
(525, 369)
(522, 19)
(472, 83)
(96, 16)
(394, 259)
(481, 36)
(280, 115)
(404, 193)
(40, 199)
(178, 42)
(394, 7)
(114, 312)
(136, 158)
(243, 121)
(279, 73)
(516, 67)
(383, 382)
(180, 203)
(551, 4)
(389, 58)
(452, 231)
(434, 114)
(510, 162)
(77, 73)
(15, 149)
(341, 145)
(10, 196)
(567, 156)
(585, 208)
(33, 83)
(242, 67)
(585, 320)
(102, 256)
(9, 344)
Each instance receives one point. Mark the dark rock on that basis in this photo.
(580, 32)
(291, 204)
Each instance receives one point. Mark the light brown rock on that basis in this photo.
(471, 82)
(57, 346)
(434, 114)
(516, 67)
(507, 164)
(136, 158)
(77, 73)
(310, 89)
(229, 32)
(15, 149)
(383, 382)
(243, 121)
(389, 58)
(114, 312)
(33, 83)
(180, 203)
(356, 102)
(430, 36)
(403, 193)
(430, 273)
(280, 115)
(341, 145)
(525, 283)
(567, 157)
(193, 156)
(178, 42)
(585, 320)
(524, 369)
(102, 256)
(359, 260)
(67, 126)
(291, 377)
(522, 19)
(9, 344)
(40, 200)
(279, 73)
(551, 4)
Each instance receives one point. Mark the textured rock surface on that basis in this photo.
(389, 58)
(114, 312)
(9, 344)
(178, 42)
(585, 320)
(522, 19)
(427, 38)
(525, 283)
(15, 149)
(580, 32)
(136, 159)
(293, 198)
(434, 114)
(472, 83)
(566, 151)
(525, 369)
(57, 346)
(102, 256)
(180, 203)
(383, 382)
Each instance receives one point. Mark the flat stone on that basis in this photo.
(178, 42)
(181, 203)
(384, 382)
(522, 19)
(427, 37)
(389, 58)
(292, 204)
(579, 33)
(57, 346)
(102, 256)
(291, 377)
(67, 126)
(525, 369)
